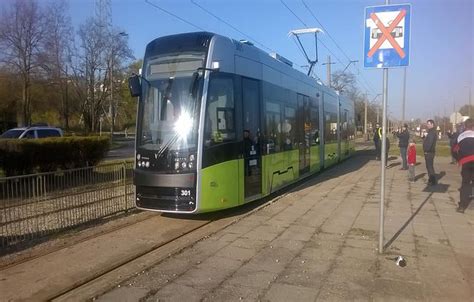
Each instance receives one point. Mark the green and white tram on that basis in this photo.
(221, 123)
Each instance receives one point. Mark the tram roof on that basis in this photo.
(247, 51)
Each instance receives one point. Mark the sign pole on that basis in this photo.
(386, 45)
(384, 159)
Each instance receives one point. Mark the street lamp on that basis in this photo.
(349, 64)
(469, 108)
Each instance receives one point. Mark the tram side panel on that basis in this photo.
(223, 165)
(281, 154)
(331, 145)
(316, 133)
(347, 128)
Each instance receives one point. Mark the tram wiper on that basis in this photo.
(194, 84)
(196, 75)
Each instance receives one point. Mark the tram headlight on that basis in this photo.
(139, 163)
(183, 165)
(138, 156)
(176, 165)
(147, 164)
(190, 165)
(191, 157)
(183, 125)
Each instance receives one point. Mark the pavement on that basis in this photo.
(319, 243)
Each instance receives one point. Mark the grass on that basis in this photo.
(442, 149)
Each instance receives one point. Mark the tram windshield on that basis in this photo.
(169, 108)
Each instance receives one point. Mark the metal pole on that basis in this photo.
(328, 71)
(469, 101)
(365, 118)
(384, 160)
(455, 116)
(404, 93)
(112, 109)
(378, 114)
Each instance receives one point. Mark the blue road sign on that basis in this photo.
(387, 36)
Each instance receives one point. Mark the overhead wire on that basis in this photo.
(337, 45)
(223, 21)
(233, 27)
(294, 14)
(305, 25)
(230, 25)
(174, 15)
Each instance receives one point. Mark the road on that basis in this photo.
(125, 151)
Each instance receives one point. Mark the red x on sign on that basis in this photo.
(386, 34)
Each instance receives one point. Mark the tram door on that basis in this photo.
(303, 129)
(251, 139)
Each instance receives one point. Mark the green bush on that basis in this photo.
(21, 156)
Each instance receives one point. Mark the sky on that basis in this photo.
(441, 48)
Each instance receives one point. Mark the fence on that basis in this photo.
(35, 206)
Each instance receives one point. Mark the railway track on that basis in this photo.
(93, 264)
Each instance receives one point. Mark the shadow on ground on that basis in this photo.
(395, 236)
(420, 176)
(353, 163)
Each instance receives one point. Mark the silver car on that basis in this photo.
(32, 132)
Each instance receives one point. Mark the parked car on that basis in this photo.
(32, 132)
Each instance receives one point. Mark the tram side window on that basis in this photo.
(220, 122)
(272, 127)
(315, 136)
(330, 123)
(289, 129)
(351, 127)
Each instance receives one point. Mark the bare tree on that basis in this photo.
(97, 64)
(344, 82)
(22, 31)
(57, 45)
(93, 65)
(118, 52)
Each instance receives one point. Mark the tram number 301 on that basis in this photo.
(185, 193)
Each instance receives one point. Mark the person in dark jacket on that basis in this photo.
(378, 141)
(453, 139)
(403, 138)
(464, 151)
(387, 149)
(429, 147)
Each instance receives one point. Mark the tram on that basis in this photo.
(222, 123)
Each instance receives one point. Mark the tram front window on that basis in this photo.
(170, 109)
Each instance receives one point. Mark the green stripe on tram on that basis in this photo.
(279, 169)
(315, 162)
(221, 186)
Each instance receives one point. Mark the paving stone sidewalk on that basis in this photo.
(319, 243)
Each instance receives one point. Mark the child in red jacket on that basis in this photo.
(411, 156)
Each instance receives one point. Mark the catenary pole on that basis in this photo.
(365, 118)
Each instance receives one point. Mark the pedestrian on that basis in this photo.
(377, 141)
(403, 138)
(429, 148)
(387, 148)
(453, 139)
(411, 158)
(464, 150)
